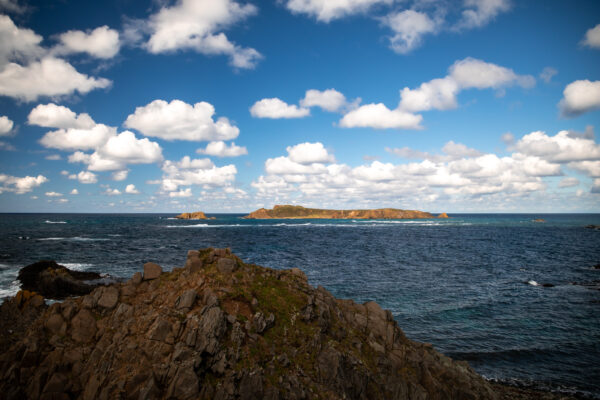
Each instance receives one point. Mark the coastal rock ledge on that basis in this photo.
(219, 328)
(290, 212)
(192, 215)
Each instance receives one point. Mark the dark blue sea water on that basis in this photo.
(458, 283)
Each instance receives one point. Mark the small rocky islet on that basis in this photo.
(219, 328)
(293, 212)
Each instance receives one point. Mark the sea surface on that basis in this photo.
(471, 285)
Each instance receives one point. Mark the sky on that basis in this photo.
(472, 106)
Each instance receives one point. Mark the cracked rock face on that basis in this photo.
(222, 329)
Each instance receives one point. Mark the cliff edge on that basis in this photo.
(220, 329)
(289, 212)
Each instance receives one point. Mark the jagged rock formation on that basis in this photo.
(56, 281)
(443, 215)
(192, 215)
(222, 329)
(287, 211)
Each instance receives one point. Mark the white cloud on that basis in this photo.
(130, 189)
(378, 116)
(182, 193)
(547, 74)
(309, 153)
(327, 10)
(329, 100)
(592, 37)
(580, 97)
(55, 116)
(197, 25)
(125, 148)
(590, 168)
(78, 139)
(409, 27)
(17, 44)
(49, 77)
(12, 6)
(85, 177)
(220, 149)
(53, 194)
(561, 148)
(102, 42)
(53, 157)
(468, 73)
(568, 182)
(181, 121)
(74, 192)
(111, 192)
(20, 185)
(481, 12)
(120, 175)
(188, 172)
(275, 108)
(6, 126)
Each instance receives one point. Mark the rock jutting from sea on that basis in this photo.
(192, 215)
(219, 328)
(290, 212)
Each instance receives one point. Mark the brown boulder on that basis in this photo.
(151, 271)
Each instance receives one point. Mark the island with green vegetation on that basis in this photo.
(299, 212)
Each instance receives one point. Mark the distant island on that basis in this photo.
(290, 212)
(192, 215)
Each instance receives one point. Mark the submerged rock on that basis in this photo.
(56, 281)
(208, 332)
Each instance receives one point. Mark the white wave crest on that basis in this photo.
(55, 222)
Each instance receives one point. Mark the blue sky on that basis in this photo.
(228, 106)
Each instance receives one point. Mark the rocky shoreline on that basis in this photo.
(219, 328)
(293, 212)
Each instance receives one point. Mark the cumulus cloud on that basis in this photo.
(188, 172)
(101, 42)
(592, 37)
(197, 25)
(309, 153)
(329, 100)
(181, 121)
(562, 147)
(182, 193)
(86, 177)
(131, 189)
(55, 116)
(111, 192)
(580, 97)
(458, 173)
(327, 10)
(409, 26)
(220, 149)
(276, 108)
(468, 73)
(48, 77)
(29, 71)
(74, 192)
(22, 185)
(12, 6)
(6, 126)
(53, 194)
(120, 175)
(78, 139)
(378, 116)
(480, 12)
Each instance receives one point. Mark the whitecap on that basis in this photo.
(55, 222)
(10, 290)
(188, 226)
(533, 283)
(77, 266)
(52, 238)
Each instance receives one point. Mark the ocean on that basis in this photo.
(471, 285)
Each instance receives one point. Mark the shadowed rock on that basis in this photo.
(55, 281)
(211, 333)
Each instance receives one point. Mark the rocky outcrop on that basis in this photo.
(192, 215)
(219, 328)
(539, 220)
(56, 281)
(443, 215)
(289, 212)
(595, 227)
